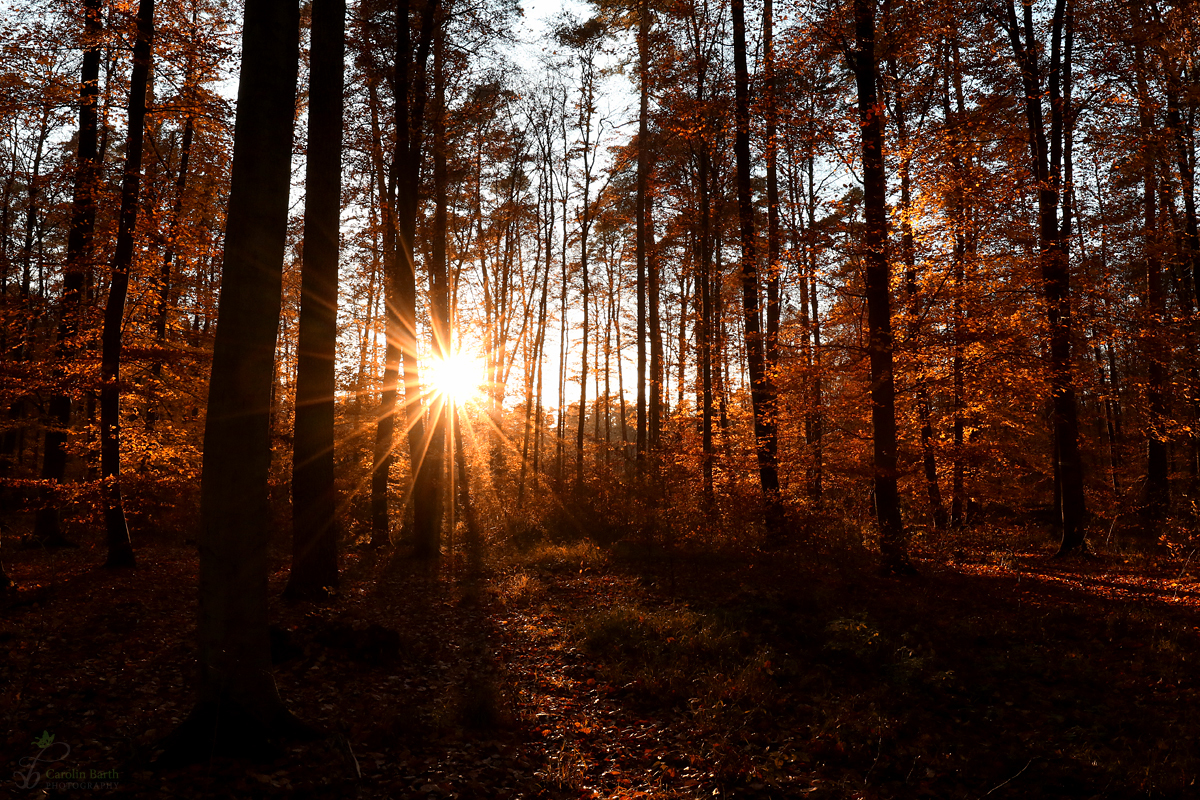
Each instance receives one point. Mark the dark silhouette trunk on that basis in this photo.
(913, 301)
(654, 324)
(1106, 406)
(32, 190)
(643, 171)
(586, 112)
(771, 148)
(385, 420)
(1046, 156)
(762, 386)
(401, 293)
(1182, 135)
(704, 320)
(120, 551)
(439, 286)
(1157, 485)
(892, 540)
(164, 288)
(815, 417)
(314, 499)
(238, 709)
(78, 264)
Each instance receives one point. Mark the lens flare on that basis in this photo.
(457, 377)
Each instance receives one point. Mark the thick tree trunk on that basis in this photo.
(314, 499)
(892, 539)
(239, 710)
(400, 271)
(120, 552)
(762, 385)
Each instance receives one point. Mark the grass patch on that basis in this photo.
(676, 656)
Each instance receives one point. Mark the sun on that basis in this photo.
(457, 377)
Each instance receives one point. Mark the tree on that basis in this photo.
(238, 707)
(1046, 161)
(1158, 495)
(314, 500)
(78, 261)
(878, 273)
(762, 385)
(642, 221)
(585, 38)
(120, 551)
(404, 188)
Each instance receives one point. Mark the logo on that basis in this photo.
(49, 752)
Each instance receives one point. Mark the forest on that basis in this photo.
(613, 399)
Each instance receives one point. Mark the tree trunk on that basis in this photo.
(908, 250)
(1184, 149)
(654, 324)
(771, 148)
(385, 419)
(426, 493)
(1157, 482)
(762, 385)
(120, 552)
(1046, 155)
(892, 540)
(704, 319)
(439, 282)
(314, 499)
(816, 412)
(78, 263)
(643, 171)
(164, 288)
(239, 710)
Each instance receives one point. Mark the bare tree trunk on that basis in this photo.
(385, 421)
(762, 385)
(892, 540)
(704, 319)
(908, 249)
(238, 709)
(774, 267)
(643, 171)
(1158, 493)
(657, 366)
(409, 134)
(439, 278)
(816, 418)
(1046, 156)
(314, 499)
(120, 551)
(80, 253)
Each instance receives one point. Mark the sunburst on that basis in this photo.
(457, 377)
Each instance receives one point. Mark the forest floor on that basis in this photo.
(568, 672)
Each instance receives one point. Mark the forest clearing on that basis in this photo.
(625, 398)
